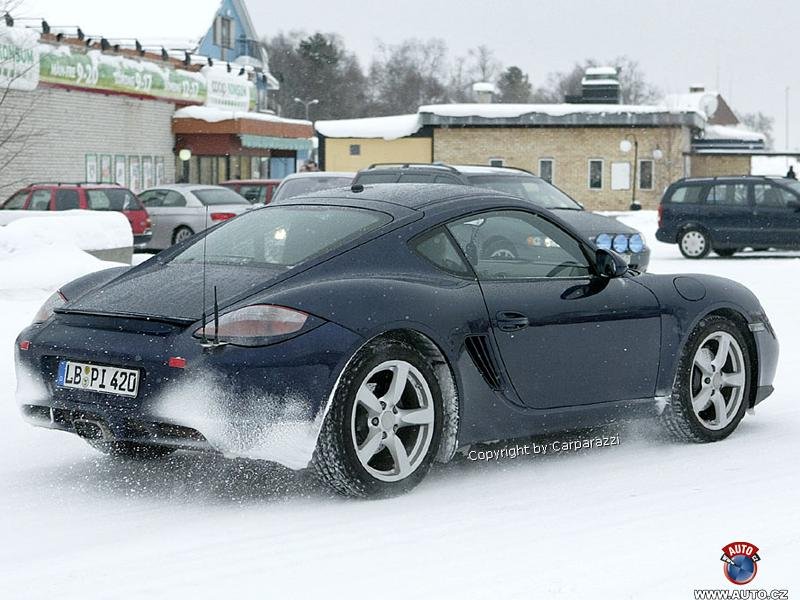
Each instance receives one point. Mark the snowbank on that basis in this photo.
(388, 128)
(23, 230)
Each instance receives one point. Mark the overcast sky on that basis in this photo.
(748, 48)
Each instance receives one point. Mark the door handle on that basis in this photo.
(511, 321)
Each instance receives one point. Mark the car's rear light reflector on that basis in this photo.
(660, 214)
(222, 216)
(24, 345)
(177, 362)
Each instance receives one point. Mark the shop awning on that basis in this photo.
(274, 143)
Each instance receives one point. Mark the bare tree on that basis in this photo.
(760, 123)
(484, 67)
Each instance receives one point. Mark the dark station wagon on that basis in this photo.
(728, 214)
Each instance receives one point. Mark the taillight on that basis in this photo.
(254, 325)
(222, 216)
(660, 214)
(56, 300)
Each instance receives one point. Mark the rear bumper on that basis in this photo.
(265, 403)
(140, 240)
(666, 235)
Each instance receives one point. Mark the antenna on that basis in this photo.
(205, 236)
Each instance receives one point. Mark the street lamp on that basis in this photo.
(625, 146)
(306, 104)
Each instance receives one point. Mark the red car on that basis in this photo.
(256, 191)
(87, 196)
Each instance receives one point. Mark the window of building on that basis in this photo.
(731, 194)
(223, 32)
(497, 162)
(620, 175)
(67, 200)
(355, 149)
(595, 174)
(546, 169)
(645, 174)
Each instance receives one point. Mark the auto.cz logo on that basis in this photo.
(740, 566)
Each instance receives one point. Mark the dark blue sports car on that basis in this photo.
(367, 332)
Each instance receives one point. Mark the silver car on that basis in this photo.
(179, 211)
(306, 182)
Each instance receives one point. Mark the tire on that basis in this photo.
(181, 233)
(500, 248)
(702, 386)
(694, 243)
(364, 433)
(726, 252)
(131, 449)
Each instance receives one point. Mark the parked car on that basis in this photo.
(728, 214)
(85, 196)
(180, 210)
(605, 231)
(256, 191)
(307, 182)
(357, 332)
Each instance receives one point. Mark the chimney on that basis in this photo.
(697, 88)
(484, 92)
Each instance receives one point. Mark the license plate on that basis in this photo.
(98, 378)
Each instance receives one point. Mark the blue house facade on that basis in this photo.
(233, 39)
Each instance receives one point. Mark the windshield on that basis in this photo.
(282, 235)
(792, 185)
(16, 202)
(530, 188)
(117, 199)
(217, 196)
(306, 185)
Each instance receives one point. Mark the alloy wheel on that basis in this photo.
(392, 421)
(718, 380)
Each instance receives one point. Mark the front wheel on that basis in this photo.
(712, 385)
(694, 243)
(384, 425)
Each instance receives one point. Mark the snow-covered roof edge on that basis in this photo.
(212, 114)
(388, 128)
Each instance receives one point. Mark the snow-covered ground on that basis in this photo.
(645, 519)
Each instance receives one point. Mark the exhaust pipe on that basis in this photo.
(91, 429)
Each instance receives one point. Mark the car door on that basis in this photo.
(566, 336)
(776, 217)
(729, 214)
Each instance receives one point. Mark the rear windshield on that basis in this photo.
(538, 191)
(117, 199)
(306, 185)
(216, 196)
(282, 236)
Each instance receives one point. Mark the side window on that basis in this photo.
(254, 193)
(17, 201)
(67, 200)
(152, 198)
(687, 194)
(40, 200)
(518, 245)
(173, 199)
(438, 248)
(97, 200)
(728, 194)
(768, 195)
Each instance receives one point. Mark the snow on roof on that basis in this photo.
(211, 114)
(722, 132)
(704, 102)
(483, 86)
(500, 111)
(388, 128)
(605, 81)
(601, 71)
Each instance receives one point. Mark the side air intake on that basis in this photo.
(481, 354)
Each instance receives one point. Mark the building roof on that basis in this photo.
(388, 128)
(212, 114)
(723, 132)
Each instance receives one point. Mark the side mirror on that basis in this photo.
(610, 264)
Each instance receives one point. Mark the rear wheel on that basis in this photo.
(712, 386)
(181, 233)
(131, 449)
(384, 426)
(694, 243)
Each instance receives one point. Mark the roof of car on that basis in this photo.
(184, 187)
(250, 182)
(732, 177)
(75, 184)
(304, 174)
(410, 195)
(443, 167)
